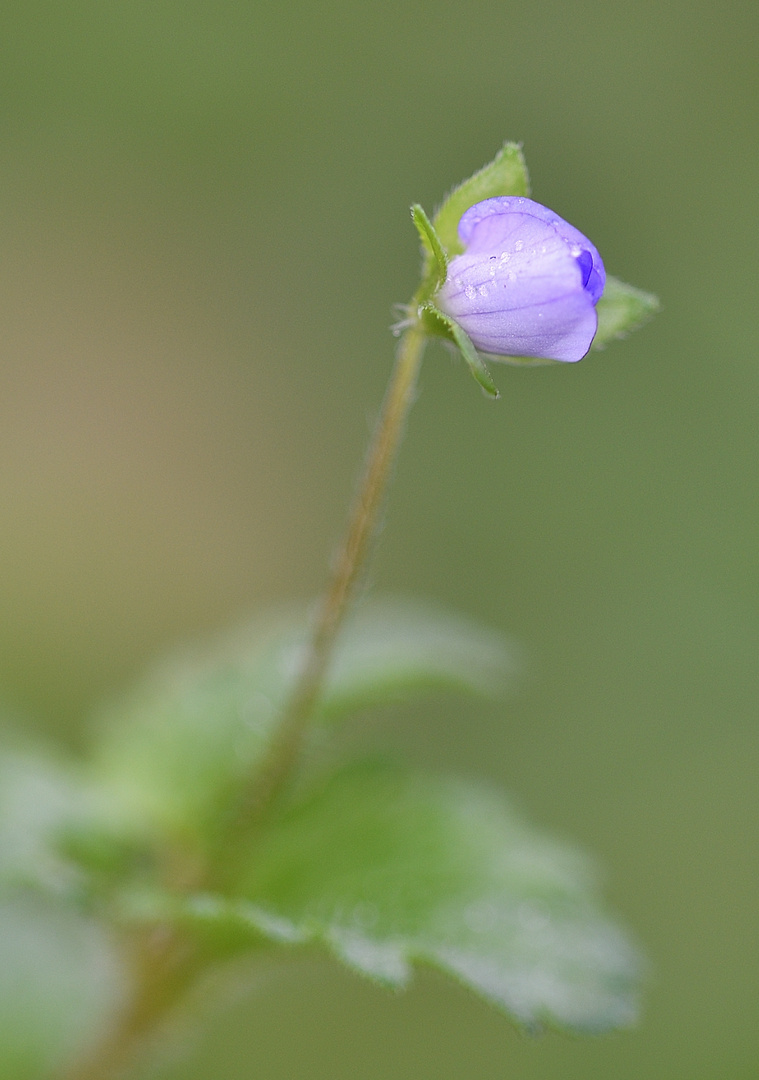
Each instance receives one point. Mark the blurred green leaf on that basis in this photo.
(175, 750)
(59, 833)
(387, 868)
(60, 981)
(621, 309)
(506, 174)
(391, 648)
(40, 800)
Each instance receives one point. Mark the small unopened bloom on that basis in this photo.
(527, 283)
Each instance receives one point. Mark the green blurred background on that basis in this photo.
(203, 225)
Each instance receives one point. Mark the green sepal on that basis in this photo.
(506, 174)
(622, 309)
(435, 259)
(438, 324)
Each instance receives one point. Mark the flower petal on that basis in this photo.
(519, 289)
(506, 205)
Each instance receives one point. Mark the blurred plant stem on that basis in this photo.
(162, 962)
(347, 569)
(163, 965)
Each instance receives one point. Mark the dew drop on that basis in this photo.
(519, 245)
(470, 292)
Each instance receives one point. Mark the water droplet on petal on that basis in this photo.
(585, 262)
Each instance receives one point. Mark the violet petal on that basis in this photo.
(527, 283)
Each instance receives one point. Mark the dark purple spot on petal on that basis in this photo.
(585, 262)
(595, 285)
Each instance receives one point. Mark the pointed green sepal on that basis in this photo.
(437, 324)
(435, 258)
(505, 175)
(475, 361)
(621, 309)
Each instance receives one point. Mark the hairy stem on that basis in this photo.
(164, 964)
(346, 573)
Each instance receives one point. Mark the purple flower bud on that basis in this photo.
(527, 283)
